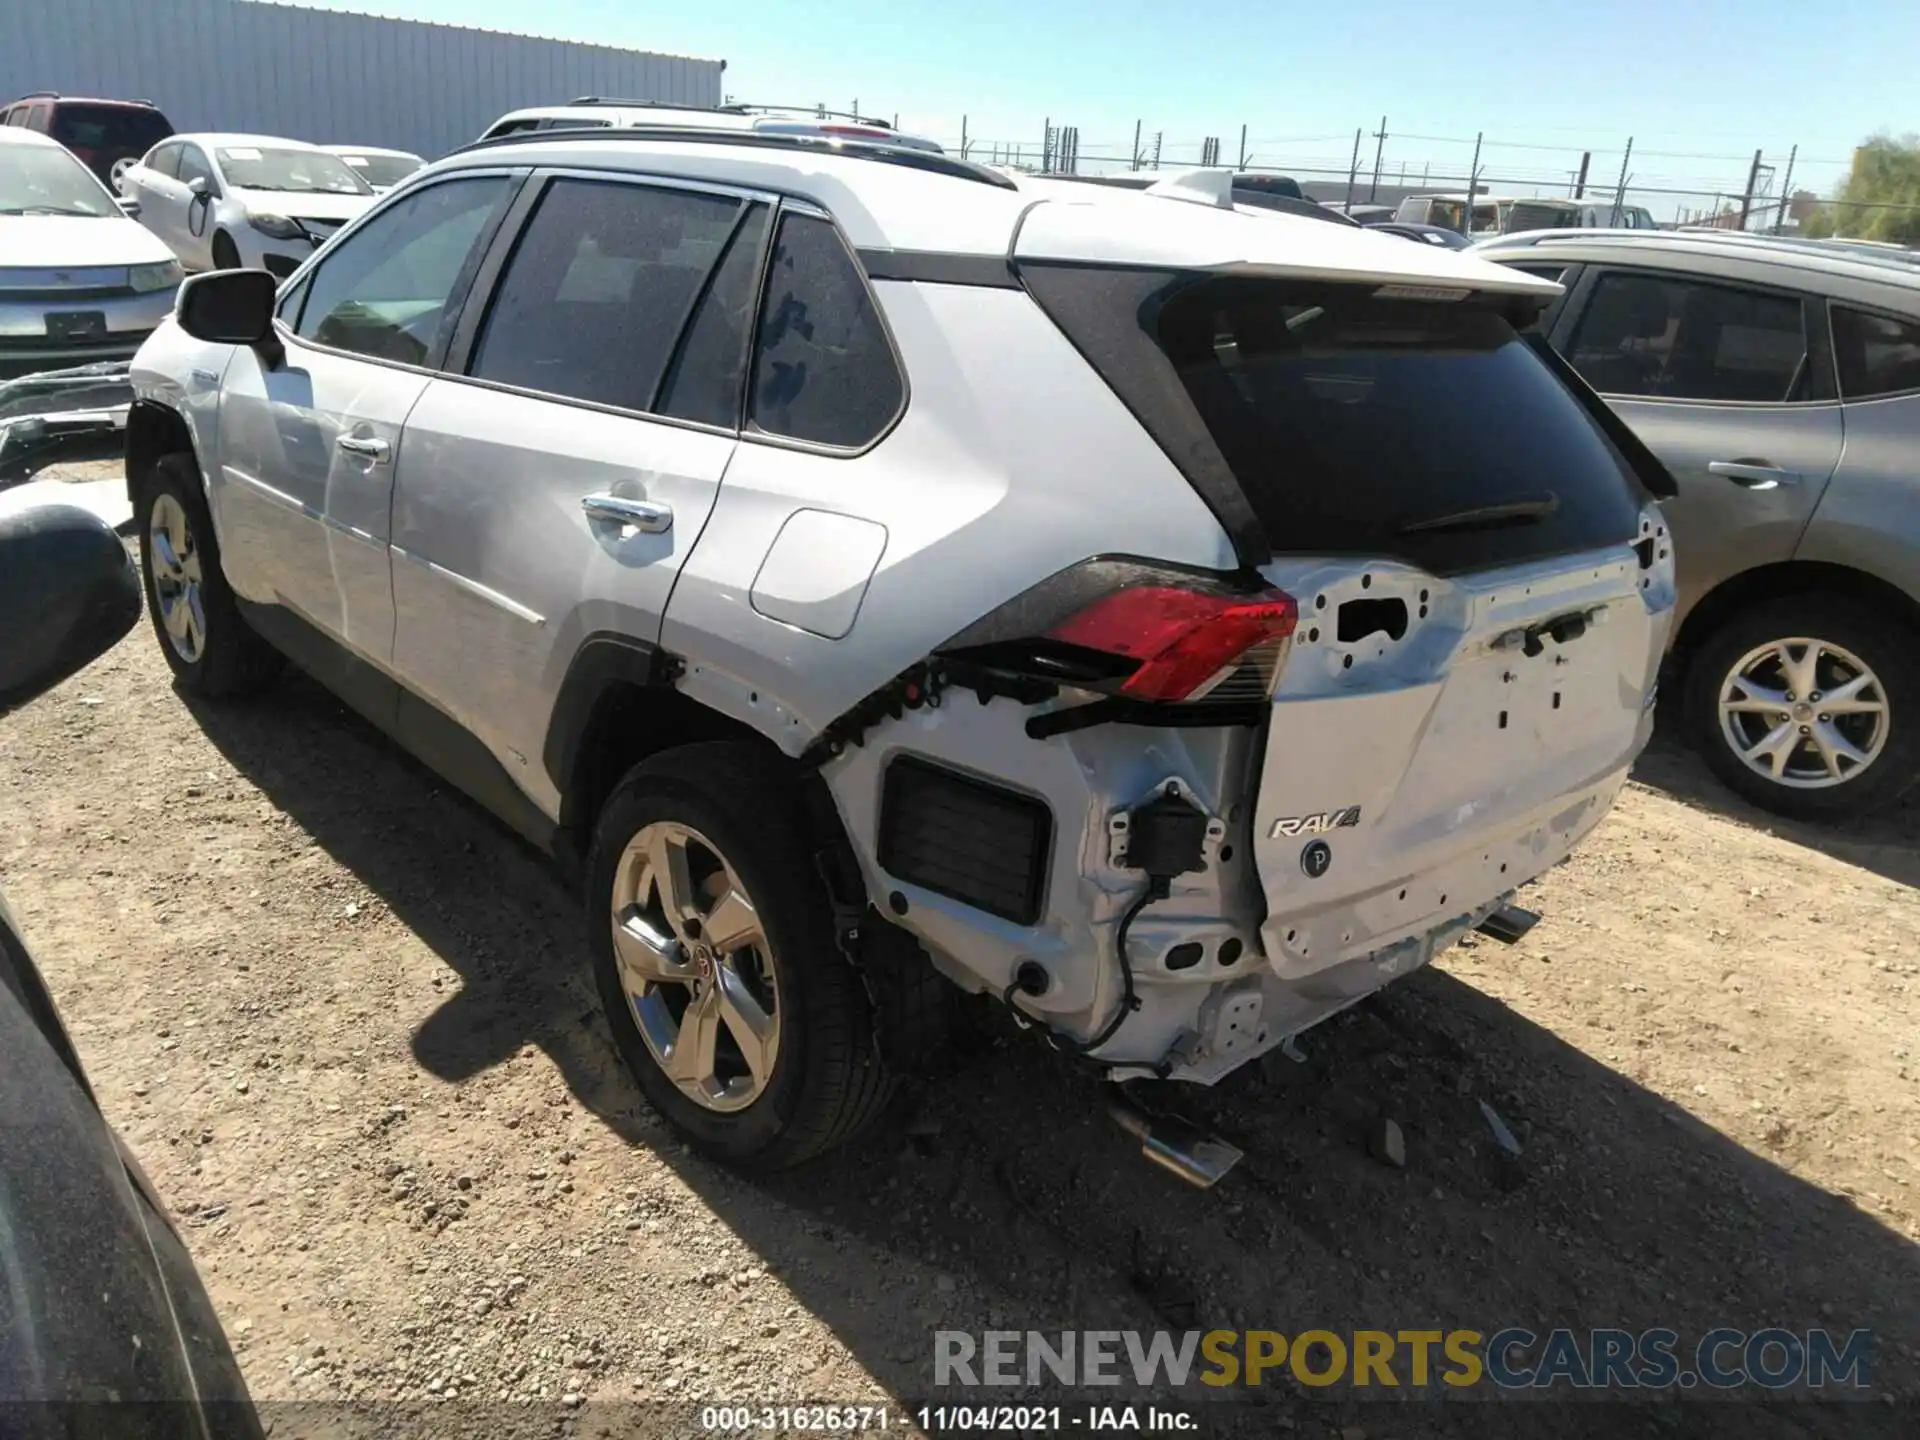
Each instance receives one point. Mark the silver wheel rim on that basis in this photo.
(175, 561)
(1804, 713)
(119, 170)
(697, 969)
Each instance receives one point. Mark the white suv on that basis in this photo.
(1171, 622)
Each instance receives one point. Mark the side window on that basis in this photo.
(165, 160)
(1875, 354)
(598, 288)
(704, 381)
(1545, 272)
(510, 127)
(194, 166)
(288, 310)
(1677, 339)
(39, 117)
(383, 293)
(17, 115)
(823, 370)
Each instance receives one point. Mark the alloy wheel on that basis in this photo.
(696, 966)
(1804, 713)
(174, 560)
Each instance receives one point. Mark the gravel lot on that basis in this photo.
(345, 1021)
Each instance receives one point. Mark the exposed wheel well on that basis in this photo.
(1794, 577)
(153, 430)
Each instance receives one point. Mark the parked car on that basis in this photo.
(224, 202)
(1364, 214)
(1449, 212)
(106, 135)
(593, 112)
(1780, 383)
(108, 1329)
(79, 281)
(1172, 622)
(381, 169)
(1555, 214)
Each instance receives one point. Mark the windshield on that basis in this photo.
(249, 167)
(46, 180)
(383, 170)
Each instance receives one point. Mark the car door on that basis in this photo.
(310, 440)
(141, 184)
(552, 490)
(1731, 385)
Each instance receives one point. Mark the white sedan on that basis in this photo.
(229, 201)
(382, 169)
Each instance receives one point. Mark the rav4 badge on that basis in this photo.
(1316, 824)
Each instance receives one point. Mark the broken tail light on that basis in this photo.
(1140, 631)
(1185, 643)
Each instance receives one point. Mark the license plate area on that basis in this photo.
(76, 325)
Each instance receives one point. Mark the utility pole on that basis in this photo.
(1620, 192)
(1046, 146)
(1380, 138)
(1580, 180)
(1136, 145)
(1473, 187)
(1746, 200)
(1353, 170)
(1158, 136)
(963, 137)
(1786, 192)
(1243, 147)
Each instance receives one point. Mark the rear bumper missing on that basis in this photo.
(1318, 965)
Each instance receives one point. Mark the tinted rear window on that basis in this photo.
(1353, 425)
(109, 127)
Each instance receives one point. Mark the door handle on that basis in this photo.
(371, 450)
(1753, 474)
(644, 515)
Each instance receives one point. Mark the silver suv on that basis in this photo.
(1780, 383)
(1171, 621)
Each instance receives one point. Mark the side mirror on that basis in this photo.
(199, 188)
(129, 206)
(227, 307)
(68, 592)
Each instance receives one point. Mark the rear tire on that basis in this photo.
(206, 642)
(1858, 695)
(226, 254)
(732, 823)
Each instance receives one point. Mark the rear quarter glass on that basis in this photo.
(1345, 424)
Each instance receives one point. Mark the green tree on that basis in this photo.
(1880, 198)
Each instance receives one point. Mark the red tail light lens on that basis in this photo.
(1184, 641)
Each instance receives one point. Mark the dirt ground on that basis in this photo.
(344, 1020)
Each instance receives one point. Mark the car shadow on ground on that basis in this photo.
(1886, 842)
(1006, 1199)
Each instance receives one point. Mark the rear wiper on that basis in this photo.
(1487, 517)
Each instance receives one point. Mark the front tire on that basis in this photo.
(1809, 706)
(717, 962)
(208, 645)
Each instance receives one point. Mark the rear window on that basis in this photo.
(109, 127)
(1346, 424)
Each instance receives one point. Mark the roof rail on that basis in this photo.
(880, 150)
(812, 112)
(41, 95)
(651, 104)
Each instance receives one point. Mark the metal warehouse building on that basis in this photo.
(326, 76)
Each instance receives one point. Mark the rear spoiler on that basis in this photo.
(1653, 475)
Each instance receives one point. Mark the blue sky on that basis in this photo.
(1698, 84)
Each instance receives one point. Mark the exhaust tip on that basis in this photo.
(1509, 924)
(1175, 1145)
